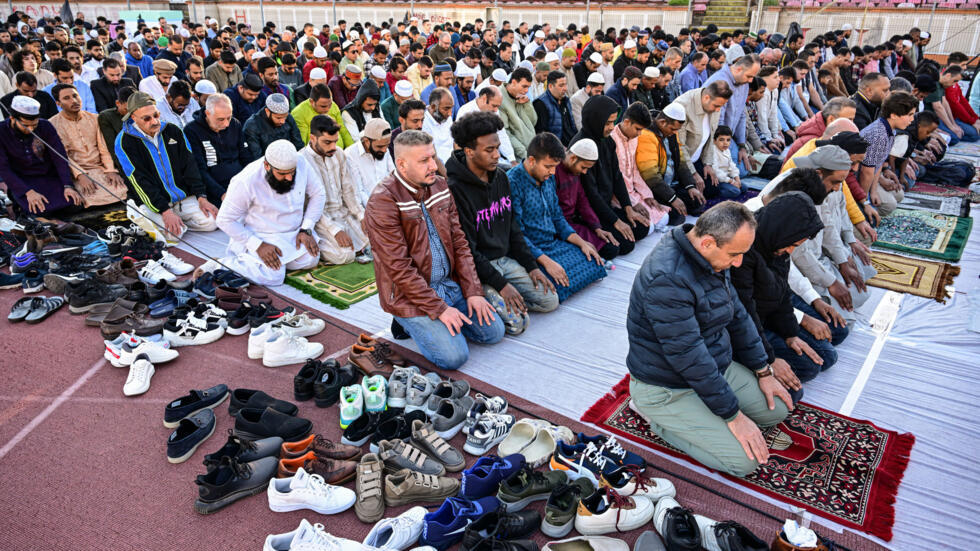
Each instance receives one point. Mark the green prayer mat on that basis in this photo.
(924, 233)
(338, 286)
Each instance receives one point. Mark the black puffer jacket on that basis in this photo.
(762, 278)
(685, 325)
(605, 180)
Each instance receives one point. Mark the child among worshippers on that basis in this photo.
(729, 184)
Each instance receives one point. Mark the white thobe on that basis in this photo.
(341, 209)
(253, 213)
(365, 170)
(442, 138)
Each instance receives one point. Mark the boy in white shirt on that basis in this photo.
(729, 184)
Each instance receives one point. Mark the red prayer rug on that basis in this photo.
(840, 468)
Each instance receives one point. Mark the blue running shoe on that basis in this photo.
(484, 477)
(580, 460)
(446, 525)
(97, 248)
(613, 450)
(10, 281)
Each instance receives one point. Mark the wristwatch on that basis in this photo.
(763, 373)
(307, 232)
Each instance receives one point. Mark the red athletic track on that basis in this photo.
(93, 475)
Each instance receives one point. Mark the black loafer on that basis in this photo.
(231, 481)
(244, 451)
(242, 398)
(326, 387)
(193, 402)
(255, 424)
(191, 432)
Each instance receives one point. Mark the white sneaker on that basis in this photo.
(191, 332)
(309, 537)
(300, 325)
(606, 511)
(306, 491)
(156, 353)
(283, 349)
(631, 483)
(257, 339)
(212, 314)
(399, 533)
(490, 429)
(154, 272)
(351, 404)
(140, 373)
(113, 348)
(174, 265)
(375, 393)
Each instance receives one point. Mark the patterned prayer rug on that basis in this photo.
(915, 276)
(840, 468)
(951, 205)
(942, 190)
(924, 233)
(966, 149)
(338, 286)
(745, 196)
(100, 218)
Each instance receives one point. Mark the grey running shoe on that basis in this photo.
(398, 455)
(425, 437)
(398, 385)
(489, 430)
(481, 405)
(446, 389)
(449, 414)
(419, 390)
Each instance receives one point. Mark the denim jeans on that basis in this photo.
(442, 349)
(805, 368)
(969, 133)
(536, 299)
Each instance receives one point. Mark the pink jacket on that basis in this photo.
(635, 185)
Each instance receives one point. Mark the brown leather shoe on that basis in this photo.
(384, 348)
(322, 447)
(333, 471)
(370, 360)
(115, 311)
(122, 273)
(140, 324)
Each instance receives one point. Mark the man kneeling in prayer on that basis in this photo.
(263, 213)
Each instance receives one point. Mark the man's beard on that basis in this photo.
(438, 117)
(378, 155)
(279, 186)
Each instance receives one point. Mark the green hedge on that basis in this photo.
(678, 2)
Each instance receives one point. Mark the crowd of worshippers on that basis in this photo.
(490, 171)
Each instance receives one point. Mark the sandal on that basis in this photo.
(21, 308)
(47, 306)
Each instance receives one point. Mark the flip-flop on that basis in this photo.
(21, 308)
(48, 306)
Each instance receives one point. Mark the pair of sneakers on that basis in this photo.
(682, 529)
(368, 396)
(277, 347)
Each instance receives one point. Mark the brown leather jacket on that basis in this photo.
(400, 244)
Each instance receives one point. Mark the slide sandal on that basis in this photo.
(539, 451)
(521, 436)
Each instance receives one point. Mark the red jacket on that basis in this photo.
(311, 64)
(959, 106)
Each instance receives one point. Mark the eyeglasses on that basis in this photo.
(149, 118)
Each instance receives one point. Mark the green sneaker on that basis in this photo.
(526, 486)
(351, 404)
(559, 513)
(375, 393)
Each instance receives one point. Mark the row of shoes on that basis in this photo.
(391, 534)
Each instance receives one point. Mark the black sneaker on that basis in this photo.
(238, 320)
(243, 450)
(327, 385)
(191, 432)
(500, 524)
(256, 424)
(397, 331)
(265, 313)
(361, 430)
(232, 480)
(303, 381)
(256, 399)
(398, 426)
(195, 401)
(157, 291)
(87, 294)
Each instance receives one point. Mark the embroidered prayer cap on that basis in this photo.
(378, 72)
(499, 74)
(651, 72)
(403, 88)
(629, 44)
(585, 149)
(353, 72)
(551, 56)
(277, 103)
(569, 52)
(442, 68)
(375, 129)
(205, 86)
(543, 66)
(319, 52)
(26, 107)
(318, 73)
(164, 66)
(596, 78)
(596, 57)
(282, 155)
(538, 34)
(828, 157)
(675, 112)
(354, 35)
(137, 101)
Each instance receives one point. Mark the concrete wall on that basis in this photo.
(951, 29)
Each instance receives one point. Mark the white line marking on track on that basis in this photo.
(881, 323)
(29, 427)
